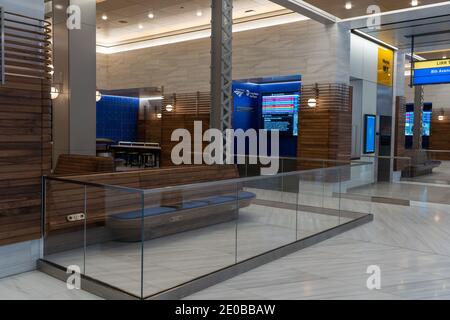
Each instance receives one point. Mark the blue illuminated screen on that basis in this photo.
(280, 112)
(426, 123)
(370, 125)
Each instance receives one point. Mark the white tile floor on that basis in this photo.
(409, 244)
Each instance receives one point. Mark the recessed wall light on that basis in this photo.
(312, 103)
(199, 13)
(348, 5)
(151, 15)
(54, 93)
(414, 3)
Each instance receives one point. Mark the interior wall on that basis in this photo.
(369, 95)
(318, 52)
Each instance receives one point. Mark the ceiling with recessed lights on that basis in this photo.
(120, 21)
(435, 55)
(348, 9)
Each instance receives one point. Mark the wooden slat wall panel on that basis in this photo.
(325, 131)
(25, 130)
(400, 114)
(195, 103)
(440, 137)
(188, 107)
(171, 122)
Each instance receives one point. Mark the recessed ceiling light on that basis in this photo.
(199, 13)
(123, 21)
(348, 5)
(140, 26)
(59, 6)
(104, 17)
(444, 57)
(151, 15)
(414, 3)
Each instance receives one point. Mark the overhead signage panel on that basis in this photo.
(432, 72)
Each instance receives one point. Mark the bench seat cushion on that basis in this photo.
(147, 213)
(192, 205)
(245, 195)
(220, 199)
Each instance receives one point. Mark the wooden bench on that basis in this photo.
(165, 213)
(81, 164)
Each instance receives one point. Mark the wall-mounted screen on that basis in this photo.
(426, 123)
(370, 127)
(280, 112)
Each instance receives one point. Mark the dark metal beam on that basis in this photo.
(221, 64)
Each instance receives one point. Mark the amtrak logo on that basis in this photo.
(241, 92)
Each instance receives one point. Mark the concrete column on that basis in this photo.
(74, 111)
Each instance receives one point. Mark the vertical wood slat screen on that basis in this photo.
(325, 132)
(400, 116)
(25, 125)
(188, 107)
(440, 131)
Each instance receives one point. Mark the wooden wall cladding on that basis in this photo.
(440, 137)
(325, 132)
(400, 116)
(149, 125)
(188, 108)
(25, 127)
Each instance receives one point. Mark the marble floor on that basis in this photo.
(36, 285)
(409, 244)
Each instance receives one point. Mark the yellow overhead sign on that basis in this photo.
(385, 66)
(432, 64)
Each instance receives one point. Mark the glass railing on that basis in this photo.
(421, 178)
(145, 241)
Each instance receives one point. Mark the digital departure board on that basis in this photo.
(280, 112)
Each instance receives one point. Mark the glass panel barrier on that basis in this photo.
(267, 215)
(64, 225)
(145, 238)
(190, 231)
(113, 237)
